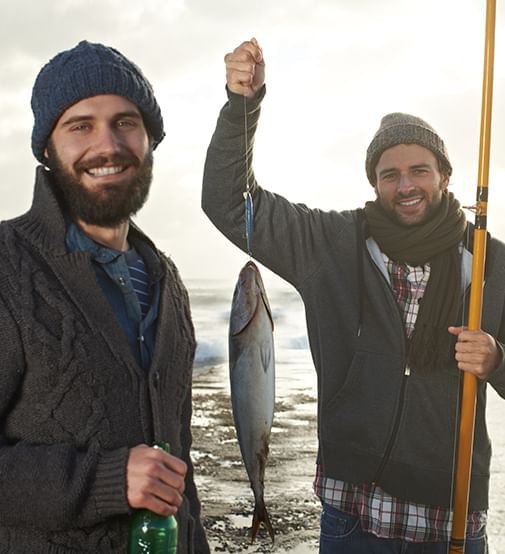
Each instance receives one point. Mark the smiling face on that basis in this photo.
(409, 183)
(100, 157)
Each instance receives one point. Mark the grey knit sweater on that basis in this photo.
(73, 399)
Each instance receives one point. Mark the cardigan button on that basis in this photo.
(156, 378)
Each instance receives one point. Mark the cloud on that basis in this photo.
(333, 69)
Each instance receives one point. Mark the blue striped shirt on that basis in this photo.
(139, 279)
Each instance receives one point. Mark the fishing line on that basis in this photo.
(248, 201)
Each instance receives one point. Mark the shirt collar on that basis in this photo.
(77, 240)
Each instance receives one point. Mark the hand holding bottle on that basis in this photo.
(155, 480)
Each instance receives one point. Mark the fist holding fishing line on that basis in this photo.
(245, 69)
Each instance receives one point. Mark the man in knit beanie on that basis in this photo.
(97, 339)
(385, 290)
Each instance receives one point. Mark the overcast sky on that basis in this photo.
(334, 68)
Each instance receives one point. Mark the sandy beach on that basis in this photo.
(227, 500)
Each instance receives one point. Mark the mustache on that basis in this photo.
(98, 161)
(410, 194)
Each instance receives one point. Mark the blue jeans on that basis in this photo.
(341, 533)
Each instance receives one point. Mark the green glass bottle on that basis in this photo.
(150, 533)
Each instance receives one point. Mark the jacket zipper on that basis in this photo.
(394, 431)
(406, 374)
(396, 425)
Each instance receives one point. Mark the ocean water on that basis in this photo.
(210, 305)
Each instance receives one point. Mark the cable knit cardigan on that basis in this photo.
(73, 399)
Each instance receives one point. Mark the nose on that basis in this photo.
(107, 142)
(405, 184)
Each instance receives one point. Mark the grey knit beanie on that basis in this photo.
(402, 128)
(88, 70)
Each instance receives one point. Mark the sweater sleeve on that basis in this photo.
(286, 236)
(50, 486)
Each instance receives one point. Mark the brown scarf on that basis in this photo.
(435, 241)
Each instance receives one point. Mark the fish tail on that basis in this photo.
(261, 516)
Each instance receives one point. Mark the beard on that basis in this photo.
(431, 209)
(109, 205)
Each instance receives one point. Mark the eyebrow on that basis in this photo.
(416, 166)
(85, 117)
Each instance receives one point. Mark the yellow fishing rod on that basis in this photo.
(469, 393)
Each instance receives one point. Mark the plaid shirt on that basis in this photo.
(379, 512)
(408, 284)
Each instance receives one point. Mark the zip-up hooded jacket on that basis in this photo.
(378, 421)
(73, 398)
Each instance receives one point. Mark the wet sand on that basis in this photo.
(227, 500)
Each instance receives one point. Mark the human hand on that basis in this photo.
(154, 480)
(245, 69)
(476, 352)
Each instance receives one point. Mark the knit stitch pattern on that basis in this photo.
(73, 399)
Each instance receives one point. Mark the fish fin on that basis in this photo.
(266, 358)
(261, 516)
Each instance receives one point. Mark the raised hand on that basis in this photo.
(245, 68)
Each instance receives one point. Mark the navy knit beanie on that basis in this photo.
(88, 70)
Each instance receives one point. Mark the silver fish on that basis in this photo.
(252, 379)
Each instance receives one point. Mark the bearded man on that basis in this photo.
(96, 339)
(385, 289)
